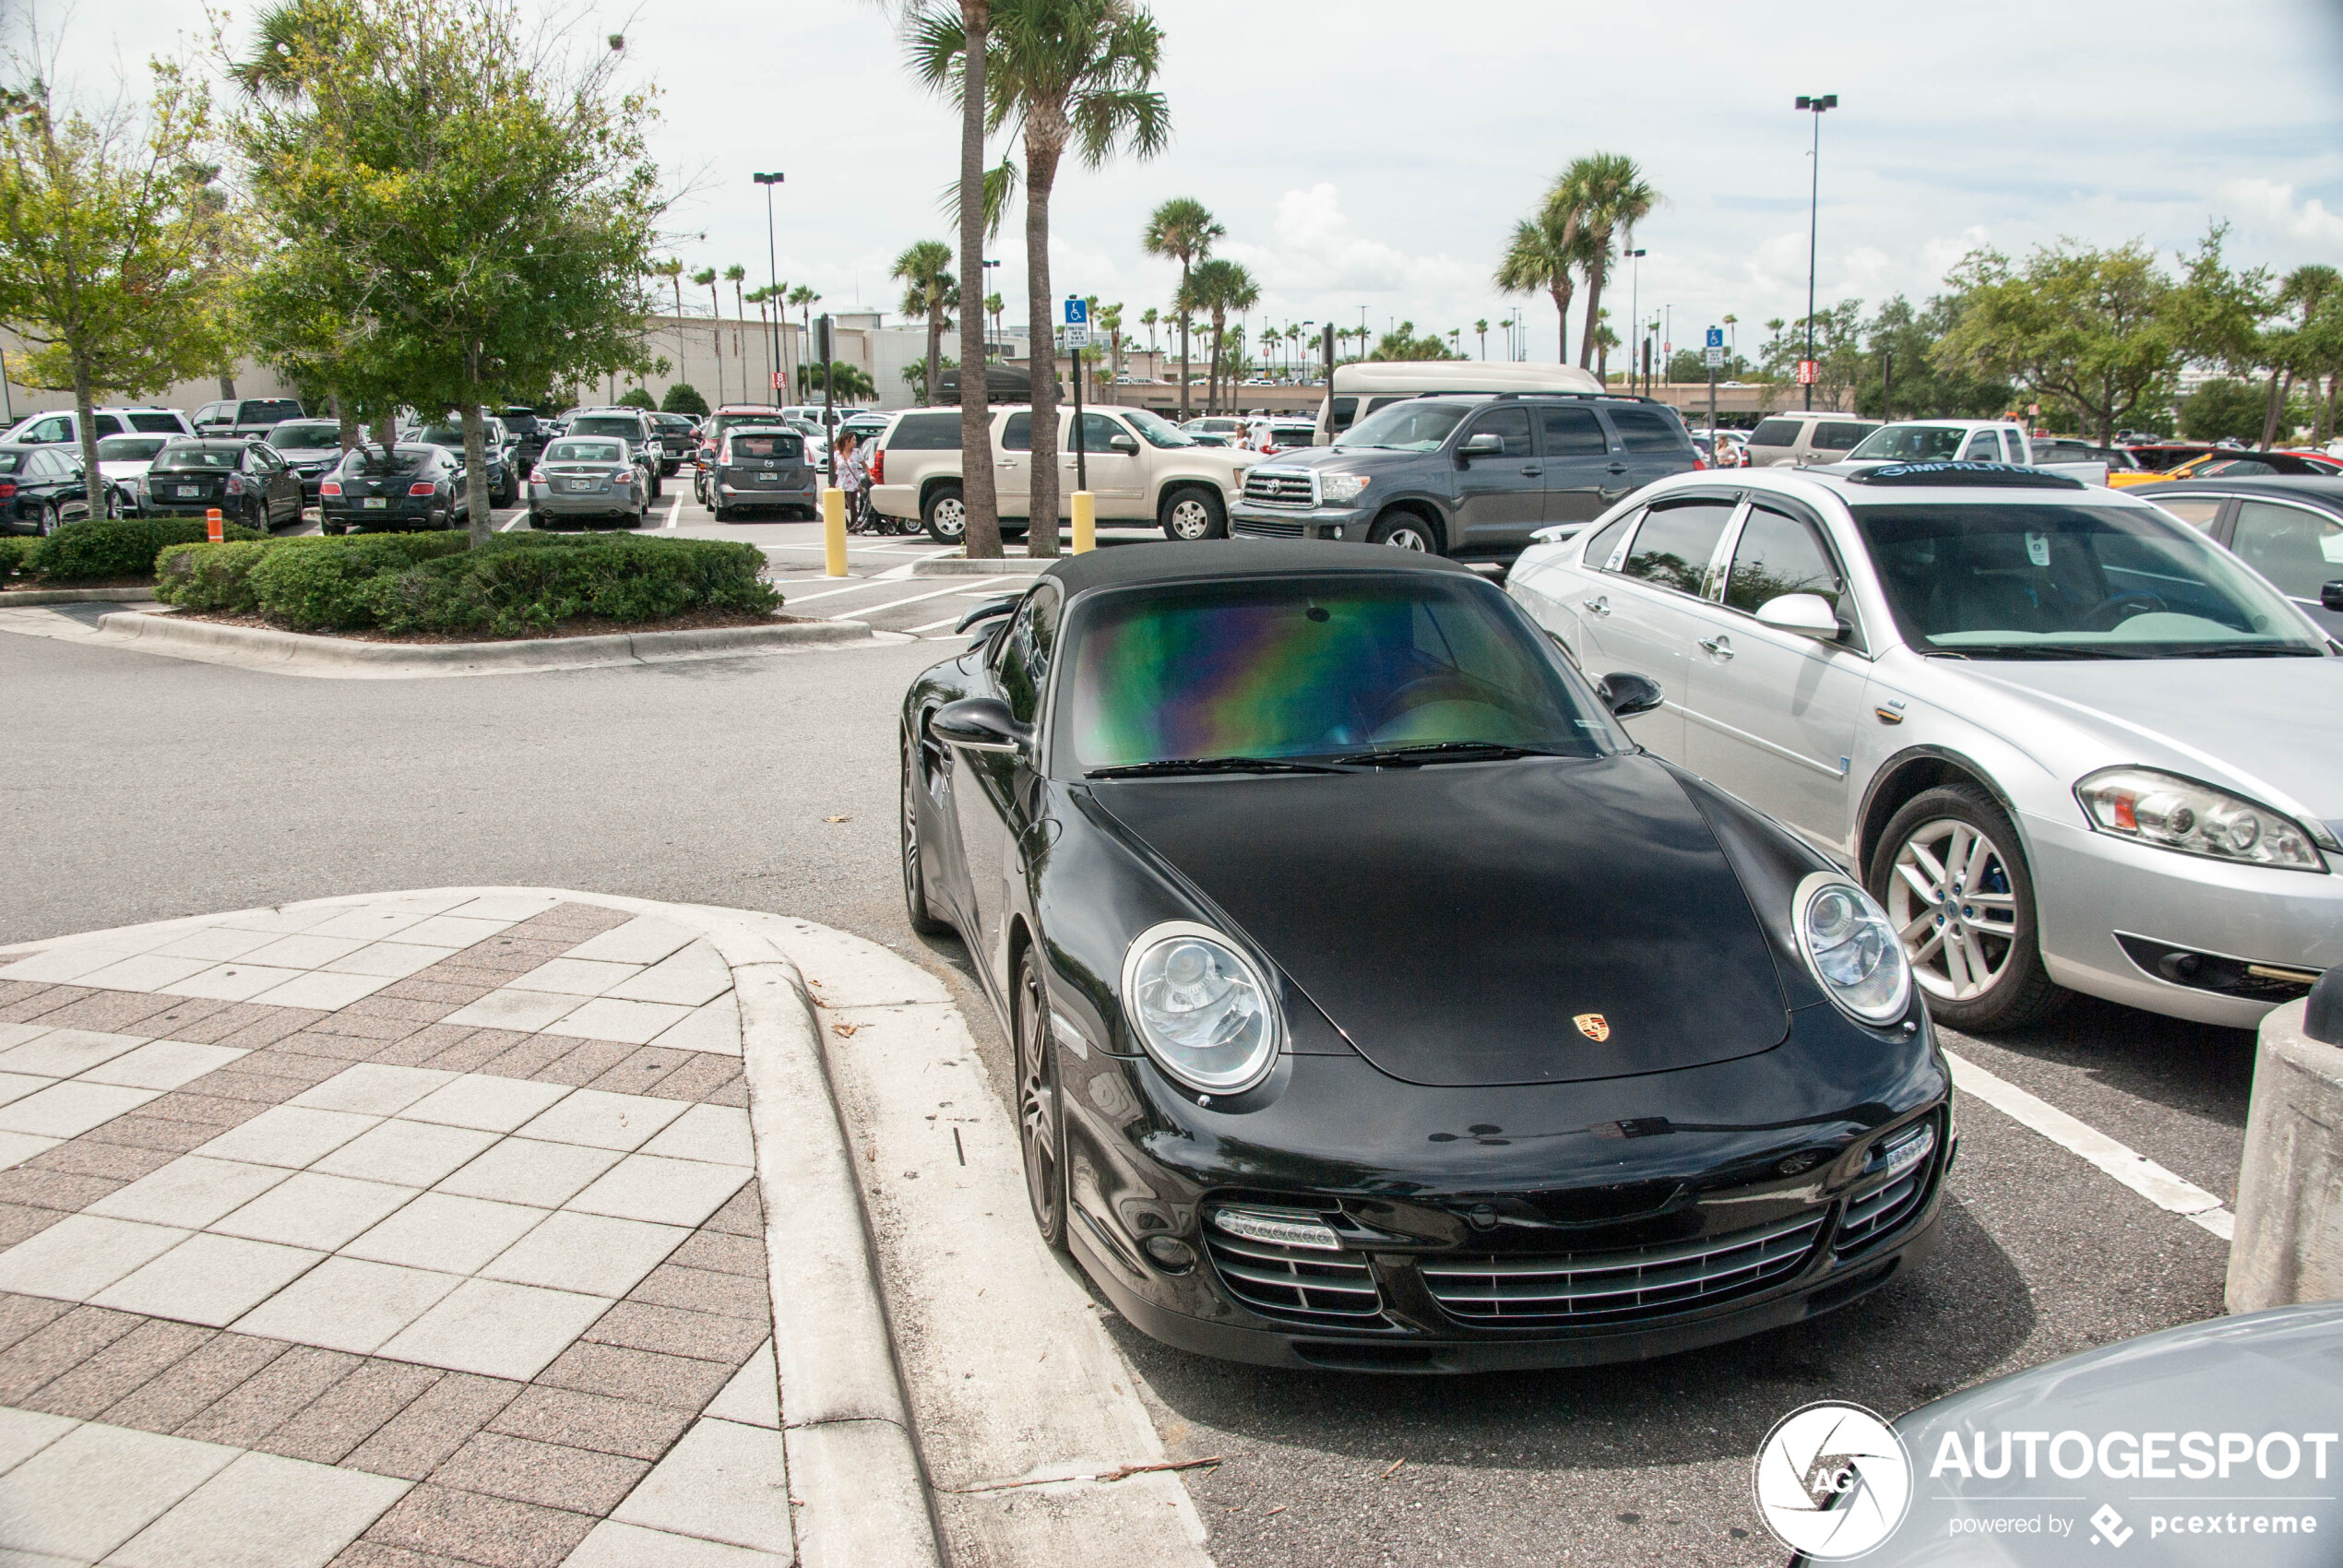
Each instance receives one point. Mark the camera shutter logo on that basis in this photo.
(1832, 1481)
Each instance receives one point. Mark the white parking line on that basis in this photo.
(514, 521)
(895, 604)
(2128, 1166)
(932, 625)
(855, 587)
(676, 511)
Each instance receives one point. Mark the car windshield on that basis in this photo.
(606, 424)
(450, 436)
(767, 447)
(189, 458)
(292, 435)
(1159, 431)
(130, 448)
(1911, 444)
(585, 452)
(2028, 580)
(1316, 668)
(386, 462)
(1410, 426)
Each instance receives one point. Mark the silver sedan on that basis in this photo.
(2065, 740)
(585, 479)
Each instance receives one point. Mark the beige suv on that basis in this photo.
(1143, 469)
(1792, 441)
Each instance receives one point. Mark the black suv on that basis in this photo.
(1467, 475)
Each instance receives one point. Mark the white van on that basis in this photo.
(1362, 387)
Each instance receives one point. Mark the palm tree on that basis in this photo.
(1070, 75)
(1544, 253)
(2307, 288)
(804, 298)
(926, 268)
(1148, 318)
(1481, 331)
(705, 279)
(994, 306)
(1613, 198)
(1731, 337)
(736, 275)
(761, 298)
(1183, 229)
(1109, 321)
(1221, 287)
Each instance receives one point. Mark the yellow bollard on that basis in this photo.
(834, 531)
(1086, 522)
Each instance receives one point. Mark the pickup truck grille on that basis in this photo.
(1272, 488)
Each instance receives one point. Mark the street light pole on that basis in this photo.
(1634, 294)
(1817, 107)
(773, 275)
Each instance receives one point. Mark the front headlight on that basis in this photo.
(1199, 1007)
(1341, 487)
(1852, 949)
(2173, 813)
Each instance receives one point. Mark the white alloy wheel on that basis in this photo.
(1951, 901)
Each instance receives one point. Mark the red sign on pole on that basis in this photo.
(777, 379)
(1806, 373)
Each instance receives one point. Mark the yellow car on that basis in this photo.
(2232, 462)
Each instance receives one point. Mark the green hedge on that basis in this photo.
(12, 554)
(433, 582)
(116, 547)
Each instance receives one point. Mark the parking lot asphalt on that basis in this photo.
(144, 787)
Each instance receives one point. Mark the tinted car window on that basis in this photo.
(1345, 410)
(1159, 431)
(1573, 433)
(1775, 432)
(1776, 555)
(1599, 548)
(380, 463)
(1511, 425)
(925, 433)
(305, 434)
(751, 446)
(130, 448)
(1024, 665)
(607, 424)
(585, 452)
(1917, 444)
(1355, 662)
(12, 462)
(451, 436)
(2197, 511)
(2236, 468)
(1406, 426)
(1672, 548)
(1984, 446)
(185, 458)
(166, 422)
(1648, 429)
(1017, 434)
(268, 410)
(1096, 431)
(2294, 547)
(1838, 437)
(105, 424)
(2013, 580)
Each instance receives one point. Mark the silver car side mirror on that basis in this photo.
(1807, 614)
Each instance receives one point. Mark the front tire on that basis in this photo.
(945, 515)
(1194, 513)
(1405, 530)
(52, 517)
(1952, 875)
(1041, 1128)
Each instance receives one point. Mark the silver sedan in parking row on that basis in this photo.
(588, 479)
(2063, 737)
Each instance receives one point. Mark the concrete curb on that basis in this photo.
(2289, 1246)
(298, 653)
(961, 566)
(11, 598)
(857, 1492)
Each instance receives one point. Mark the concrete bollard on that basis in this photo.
(2288, 1243)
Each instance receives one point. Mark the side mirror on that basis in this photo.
(2331, 596)
(1627, 694)
(1488, 444)
(1128, 445)
(1807, 614)
(980, 724)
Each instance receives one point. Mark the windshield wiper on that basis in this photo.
(1172, 765)
(2284, 650)
(1449, 751)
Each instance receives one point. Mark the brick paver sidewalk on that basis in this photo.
(388, 1235)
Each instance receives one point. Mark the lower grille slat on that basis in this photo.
(1265, 528)
(1642, 1282)
(1876, 1213)
(1303, 1284)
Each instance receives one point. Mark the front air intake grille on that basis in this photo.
(1877, 1212)
(1275, 489)
(1303, 1284)
(1619, 1287)
(1265, 528)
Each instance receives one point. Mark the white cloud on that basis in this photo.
(2271, 205)
(1314, 248)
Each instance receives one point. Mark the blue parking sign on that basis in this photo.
(1716, 338)
(1077, 312)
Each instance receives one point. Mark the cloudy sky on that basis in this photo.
(1368, 156)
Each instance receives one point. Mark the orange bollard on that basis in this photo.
(213, 526)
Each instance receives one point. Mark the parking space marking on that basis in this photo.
(2127, 1164)
(932, 625)
(513, 522)
(676, 511)
(895, 604)
(854, 586)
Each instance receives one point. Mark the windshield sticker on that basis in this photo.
(2038, 549)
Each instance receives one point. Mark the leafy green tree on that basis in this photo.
(1066, 76)
(2230, 410)
(469, 193)
(1901, 340)
(1403, 344)
(925, 269)
(682, 397)
(1181, 229)
(638, 397)
(112, 243)
(847, 380)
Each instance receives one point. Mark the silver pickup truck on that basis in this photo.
(1972, 441)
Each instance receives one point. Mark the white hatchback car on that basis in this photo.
(2064, 739)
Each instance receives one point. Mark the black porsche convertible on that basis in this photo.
(1377, 1004)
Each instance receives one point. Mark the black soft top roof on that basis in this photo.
(1169, 562)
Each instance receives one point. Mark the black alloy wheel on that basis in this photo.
(52, 517)
(915, 904)
(1951, 873)
(1040, 1133)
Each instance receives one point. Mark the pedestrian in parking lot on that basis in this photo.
(848, 473)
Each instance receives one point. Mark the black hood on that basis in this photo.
(1455, 920)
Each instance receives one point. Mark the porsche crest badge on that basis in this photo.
(1594, 1025)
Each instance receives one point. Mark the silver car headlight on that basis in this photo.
(1852, 949)
(1200, 1007)
(2173, 813)
(1341, 487)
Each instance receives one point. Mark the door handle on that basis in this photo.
(1619, 468)
(1533, 471)
(1598, 605)
(1719, 647)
